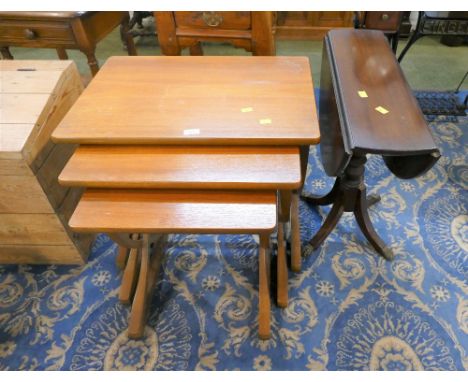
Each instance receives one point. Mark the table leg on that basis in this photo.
(329, 224)
(127, 37)
(264, 304)
(92, 62)
(130, 277)
(149, 270)
(6, 54)
(122, 257)
(284, 212)
(295, 234)
(364, 222)
(304, 152)
(282, 269)
(196, 50)
(62, 53)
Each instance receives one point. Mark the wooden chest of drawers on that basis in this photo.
(36, 34)
(252, 31)
(383, 20)
(34, 208)
(62, 30)
(222, 20)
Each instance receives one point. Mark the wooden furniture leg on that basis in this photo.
(364, 222)
(86, 45)
(284, 215)
(130, 277)
(196, 50)
(127, 37)
(62, 53)
(330, 222)
(263, 41)
(264, 304)
(282, 269)
(149, 269)
(6, 54)
(349, 195)
(122, 257)
(126, 241)
(295, 234)
(304, 153)
(92, 62)
(166, 30)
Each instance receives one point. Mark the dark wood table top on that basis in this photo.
(196, 100)
(379, 113)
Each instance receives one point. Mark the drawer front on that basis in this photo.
(35, 33)
(386, 21)
(213, 19)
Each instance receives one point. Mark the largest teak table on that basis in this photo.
(231, 101)
(218, 107)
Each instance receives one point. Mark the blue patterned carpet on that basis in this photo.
(349, 309)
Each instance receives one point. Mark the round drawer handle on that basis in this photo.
(385, 17)
(212, 19)
(29, 34)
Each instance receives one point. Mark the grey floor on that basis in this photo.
(427, 65)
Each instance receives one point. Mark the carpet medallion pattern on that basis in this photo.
(349, 309)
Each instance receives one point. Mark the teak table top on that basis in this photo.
(175, 211)
(196, 100)
(199, 167)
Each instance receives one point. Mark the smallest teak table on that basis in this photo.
(183, 189)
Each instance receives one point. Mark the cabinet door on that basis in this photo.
(309, 24)
(330, 19)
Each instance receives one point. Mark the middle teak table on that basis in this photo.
(239, 127)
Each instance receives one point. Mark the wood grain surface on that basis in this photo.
(201, 100)
(172, 211)
(202, 167)
(34, 208)
(363, 61)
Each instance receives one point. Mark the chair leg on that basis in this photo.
(330, 222)
(264, 304)
(364, 222)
